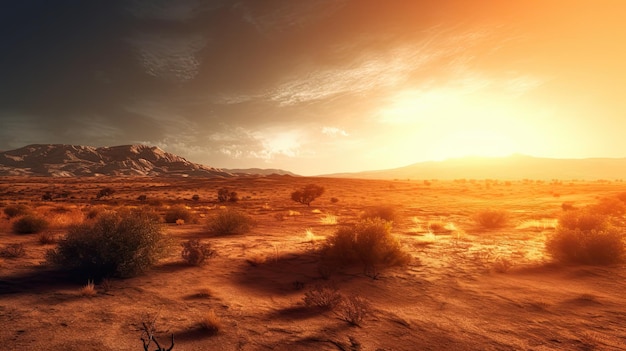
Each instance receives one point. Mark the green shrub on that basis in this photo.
(388, 213)
(175, 213)
(229, 221)
(585, 237)
(114, 244)
(30, 224)
(195, 252)
(491, 219)
(369, 242)
(16, 210)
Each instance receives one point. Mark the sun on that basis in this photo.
(450, 123)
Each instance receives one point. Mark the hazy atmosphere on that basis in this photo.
(316, 86)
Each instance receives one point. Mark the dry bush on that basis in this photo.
(229, 221)
(329, 219)
(88, 290)
(195, 252)
(204, 293)
(46, 238)
(13, 251)
(583, 237)
(175, 213)
(611, 206)
(491, 219)
(307, 194)
(30, 224)
(568, 206)
(12, 211)
(224, 195)
(325, 297)
(353, 309)
(121, 244)
(369, 242)
(388, 213)
(211, 322)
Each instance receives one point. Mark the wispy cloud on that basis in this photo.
(288, 15)
(166, 10)
(169, 57)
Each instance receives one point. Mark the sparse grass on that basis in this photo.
(13, 251)
(88, 290)
(385, 212)
(324, 297)
(228, 222)
(353, 309)
(329, 219)
(30, 224)
(211, 322)
(491, 218)
(46, 238)
(204, 293)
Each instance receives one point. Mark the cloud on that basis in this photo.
(288, 15)
(166, 10)
(172, 57)
(334, 131)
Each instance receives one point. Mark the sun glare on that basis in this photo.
(451, 122)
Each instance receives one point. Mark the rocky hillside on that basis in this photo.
(59, 160)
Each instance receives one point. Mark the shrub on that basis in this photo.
(224, 195)
(46, 238)
(195, 197)
(195, 252)
(114, 244)
(325, 297)
(16, 210)
(353, 309)
(369, 242)
(30, 224)
(491, 219)
(211, 322)
(88, 290)
(387, 213)
(13, 251)
(611, 206)
(307, 194)
(229, 222)
(175, 213)
(583, 237)
(105, 192)
(142, 198)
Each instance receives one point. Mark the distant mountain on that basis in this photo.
(58, 160)
(259, 171)
(512, 167)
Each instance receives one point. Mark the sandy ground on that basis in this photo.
(466, 288)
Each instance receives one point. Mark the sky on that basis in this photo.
(317, 86)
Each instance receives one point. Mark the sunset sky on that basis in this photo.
(317, 86)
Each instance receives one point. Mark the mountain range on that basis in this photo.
(59, 160)
(512, 167)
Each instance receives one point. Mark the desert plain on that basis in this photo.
(466, 287)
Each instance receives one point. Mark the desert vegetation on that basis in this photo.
(427, 262)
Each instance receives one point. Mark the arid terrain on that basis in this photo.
(465, 288)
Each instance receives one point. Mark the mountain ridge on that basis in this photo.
(512, 167)
(65, 160)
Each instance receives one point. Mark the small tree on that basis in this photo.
(307, 194)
